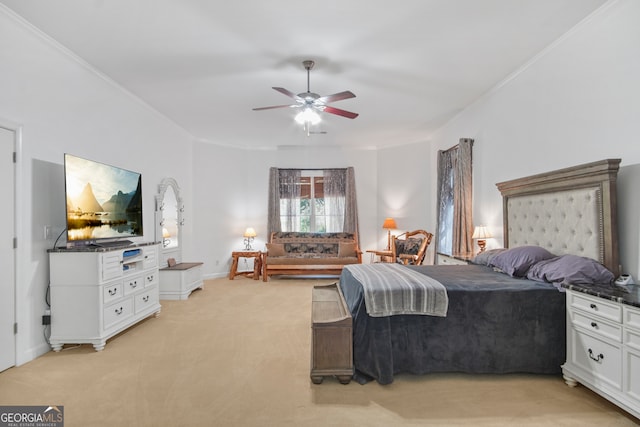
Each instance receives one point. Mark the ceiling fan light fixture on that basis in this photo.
(308, 116)
(313, 103)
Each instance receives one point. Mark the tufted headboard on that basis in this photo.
(567, 211)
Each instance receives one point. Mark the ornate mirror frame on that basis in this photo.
(169, 219)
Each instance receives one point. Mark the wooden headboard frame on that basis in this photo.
(567, 211)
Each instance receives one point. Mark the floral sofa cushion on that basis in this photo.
(301, 244)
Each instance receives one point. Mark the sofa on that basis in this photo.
(301, 253)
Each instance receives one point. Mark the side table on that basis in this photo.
(257, 264)
(385, 256)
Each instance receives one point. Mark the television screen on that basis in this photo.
(103, 201)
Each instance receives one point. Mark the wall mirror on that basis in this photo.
(169, 219)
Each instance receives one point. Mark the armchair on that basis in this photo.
(411, 249)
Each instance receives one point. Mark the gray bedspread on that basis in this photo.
(494, 324)
(391, 289)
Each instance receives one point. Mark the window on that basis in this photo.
(307, 209)
(445, 223)
(455, 199)
(320, 201)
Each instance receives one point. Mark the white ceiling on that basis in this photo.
(413, 64)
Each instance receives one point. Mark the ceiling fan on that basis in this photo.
(311, 103)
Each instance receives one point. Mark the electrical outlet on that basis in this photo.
(46, 317)
(47, 232)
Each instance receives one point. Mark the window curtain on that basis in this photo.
(273, 206)
(284, 195)
(334, 199)
(455, 199)
(351, 204)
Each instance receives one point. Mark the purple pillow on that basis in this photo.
(570, 269)
(517, 261)
(485, 257)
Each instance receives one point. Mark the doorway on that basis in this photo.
(7, 250)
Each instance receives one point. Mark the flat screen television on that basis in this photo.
(104, 203)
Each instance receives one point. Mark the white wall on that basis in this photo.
(404, 191)
(577, 102)
(233, 185)
(62, 105)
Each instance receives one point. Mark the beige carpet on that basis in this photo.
(237, 354)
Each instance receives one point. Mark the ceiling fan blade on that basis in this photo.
(288, 93)
(276, 106)
(339, 112)
(336, 97)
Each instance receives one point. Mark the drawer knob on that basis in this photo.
(594, 325)
(145, 298)
(119, 312)
(597, 358)
(133, 284)
(113, 291)
(593, 306)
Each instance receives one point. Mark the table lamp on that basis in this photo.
(389, 223)
(481, 233)
(166, 237)
(249, 234)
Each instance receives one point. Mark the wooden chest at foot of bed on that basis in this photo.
(331, 338)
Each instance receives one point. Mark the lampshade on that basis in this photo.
(481, 232)
(165, 233)
(389, 223)
(308, 116)
(249, 232)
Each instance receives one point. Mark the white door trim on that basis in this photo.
(16, 131)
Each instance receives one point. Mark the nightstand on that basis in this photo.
(257, 264)
(444, 259)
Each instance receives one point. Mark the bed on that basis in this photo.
(501, 321)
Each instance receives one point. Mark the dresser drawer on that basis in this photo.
(112, 293)
(632, 339)
(449, 260)
(597, 325)
(601, 359)
(118, 312)
(146, 299)
(151, 278)
(133, 284)
(631, 317)
(632, 375)
(596, 306)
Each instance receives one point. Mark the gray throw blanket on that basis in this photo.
(391, 289)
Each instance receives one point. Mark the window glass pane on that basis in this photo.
(445, 227)
(319, 206)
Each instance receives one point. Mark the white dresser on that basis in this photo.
(444, 259)
(97, 293)
(603, 343)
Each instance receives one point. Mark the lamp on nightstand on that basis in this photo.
(389, 223)
(166, 237)
(481, 234)
(249, 234)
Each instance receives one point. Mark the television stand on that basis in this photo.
(96, 293)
